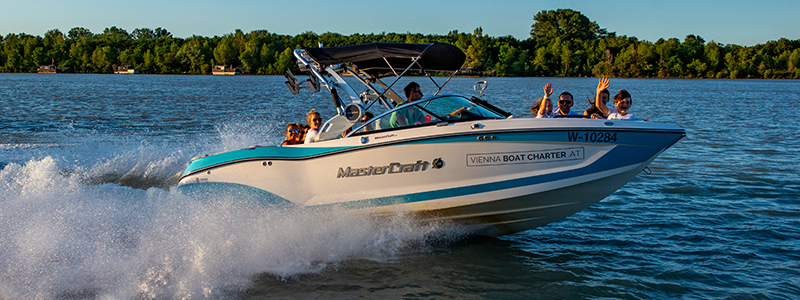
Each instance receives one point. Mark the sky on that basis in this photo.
(739, 22)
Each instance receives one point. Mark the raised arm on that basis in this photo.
(543, 106)
(602, 85)
(548, 90)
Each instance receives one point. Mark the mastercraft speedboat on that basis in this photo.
(464, 160)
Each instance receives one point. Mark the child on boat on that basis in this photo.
(293, 134)
(623, 103)
(544, 106)
(598, 109)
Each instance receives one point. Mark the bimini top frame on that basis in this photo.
(376, 59)
(368, 63)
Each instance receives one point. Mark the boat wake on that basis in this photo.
(142, 164)
(138, 169)
(65, 238)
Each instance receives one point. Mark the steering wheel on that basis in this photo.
(458, 113)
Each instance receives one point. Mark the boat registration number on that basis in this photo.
(593, 137)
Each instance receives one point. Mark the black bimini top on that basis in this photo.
(370, 57)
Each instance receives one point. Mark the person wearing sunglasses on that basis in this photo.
(564, 105)
(410, 115)
(292, 134)
(314, 122)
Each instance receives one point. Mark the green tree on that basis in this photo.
(667, 60)
(32, 53)
(477, 52)
(80, 56)
(285, 60)
(542, 62)
(794, 60)
(714, 58)
(103, 59)
(250, 58)
(143, 34)
(79, 32)
(566, 24)
(269, 54)
(161, 33)
(512, 62)
(191, 54)
(225, 53)
(131, 56)
(563, 43)
(647, 59)
(12, 53)
(114, 37)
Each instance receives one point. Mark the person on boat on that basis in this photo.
(305, 129)
(302, 136)
(565, 105)
(544, 107)
(598, 110)
(314, 122)
(410, 115)
(623, 102)
(292, 134)
(367, 116)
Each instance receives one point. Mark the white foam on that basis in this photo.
(63, 238)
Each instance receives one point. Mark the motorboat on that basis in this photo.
(461, 160)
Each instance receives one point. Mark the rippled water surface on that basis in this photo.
(88, 207)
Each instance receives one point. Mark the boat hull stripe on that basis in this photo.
(301, 153)
(607, 162)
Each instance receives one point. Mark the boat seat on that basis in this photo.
(383, 123)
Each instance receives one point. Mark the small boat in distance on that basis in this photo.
(51, 68)
(224, 70)
(47, 69)
(463, 160)
(126, 69)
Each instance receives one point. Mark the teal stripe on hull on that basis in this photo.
(607, 162)
(254, 153)
(629, 154)
(216, 190)
(291, 153)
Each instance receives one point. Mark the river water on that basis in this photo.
(88, 207)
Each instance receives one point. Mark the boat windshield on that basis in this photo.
(446, 108)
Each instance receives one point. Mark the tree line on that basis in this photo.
(562, 43)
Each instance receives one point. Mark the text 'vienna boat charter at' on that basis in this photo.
(463, 160)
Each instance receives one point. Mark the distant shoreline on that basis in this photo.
(421, 76)
(584, 50)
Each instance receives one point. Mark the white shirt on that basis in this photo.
(618, 116)
(311, 136)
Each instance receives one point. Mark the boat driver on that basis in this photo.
(410, 115)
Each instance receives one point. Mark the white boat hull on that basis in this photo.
(502, 176)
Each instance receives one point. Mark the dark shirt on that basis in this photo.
(594, 110)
